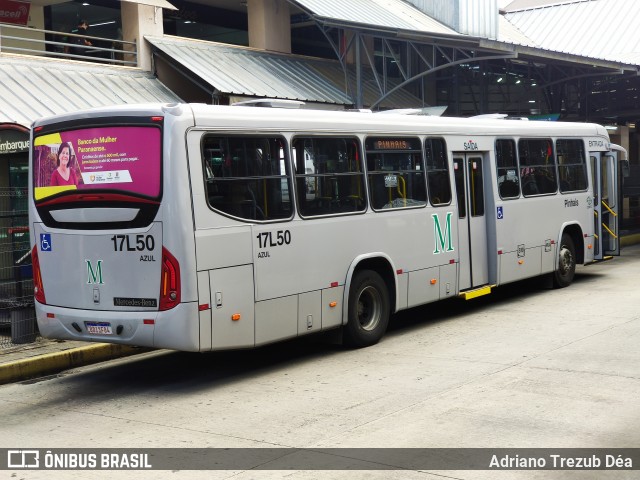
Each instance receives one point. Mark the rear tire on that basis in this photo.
(368, 310)
(563, 276)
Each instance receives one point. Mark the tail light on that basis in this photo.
(38, 289)
(170, 281)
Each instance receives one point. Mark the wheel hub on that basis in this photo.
(369, 308)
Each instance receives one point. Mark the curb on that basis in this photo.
(50, 363)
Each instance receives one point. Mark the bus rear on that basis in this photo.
(105, 269)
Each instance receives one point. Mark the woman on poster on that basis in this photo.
(65, 173)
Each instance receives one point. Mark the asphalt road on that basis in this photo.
(525, 367)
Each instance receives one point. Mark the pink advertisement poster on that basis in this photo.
(125, 159)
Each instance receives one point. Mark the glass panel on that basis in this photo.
(438, 171)
(607, 170)
(247, 177)
(609, 210)
(329, 175)
(595, 180)
(537, 167)
(572, 167)
(458, 174)
(396, 173)
(476, 192)
(507, 164)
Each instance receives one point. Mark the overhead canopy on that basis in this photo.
(597, 29)
(240, 71)
(396, 15)
(562, 31)
(36, 87)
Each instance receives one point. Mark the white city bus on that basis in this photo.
(199, 227)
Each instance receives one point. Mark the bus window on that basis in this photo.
(458, 175)
(507, 164)
(572, 167)
(247, 176)
(396, 173)
(537, 166)
(476, 187)
(101, 167)
(329, 175)
(438, 172)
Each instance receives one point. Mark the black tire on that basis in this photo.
(368, 310)
(563, 275)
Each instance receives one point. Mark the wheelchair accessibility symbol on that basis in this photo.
(45, 242)
(500, 214)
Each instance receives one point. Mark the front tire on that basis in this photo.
(368, 309)
(563, 276)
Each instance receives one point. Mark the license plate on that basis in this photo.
(99, 328)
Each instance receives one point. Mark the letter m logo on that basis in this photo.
(443, 240)
(94, 275)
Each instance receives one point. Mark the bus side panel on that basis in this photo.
(448, 280)
(331, 303)
(309, 315)
(589, 246)
(276, 319)
(520, 264)
(313, 254)
(233, 307)
(549, 257)
(204, 298)
(529, 223)
(423, 286)
(178, 328)
(223, 247)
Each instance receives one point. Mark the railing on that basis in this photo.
(120, 53)
(17, 315)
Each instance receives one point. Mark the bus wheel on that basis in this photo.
(563, 276)
(368, 309)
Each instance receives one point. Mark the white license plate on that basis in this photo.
(99, 328)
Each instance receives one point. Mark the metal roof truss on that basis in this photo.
(414, 59)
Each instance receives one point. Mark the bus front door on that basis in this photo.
(604, 169)
(472, 225)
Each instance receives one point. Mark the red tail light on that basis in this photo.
(38, 289)
(170, 281)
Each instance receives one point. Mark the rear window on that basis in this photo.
(122, 159)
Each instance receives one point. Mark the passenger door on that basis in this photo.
(604, 169)
(472, 225)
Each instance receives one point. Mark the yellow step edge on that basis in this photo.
(477, 292)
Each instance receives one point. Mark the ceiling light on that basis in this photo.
(103, 23)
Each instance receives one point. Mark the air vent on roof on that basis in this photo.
(498, 116)
(270, 102)
(430, 111)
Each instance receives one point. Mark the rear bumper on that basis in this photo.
(177, 329)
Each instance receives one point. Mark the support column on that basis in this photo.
(139, 20)
(269, 25)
